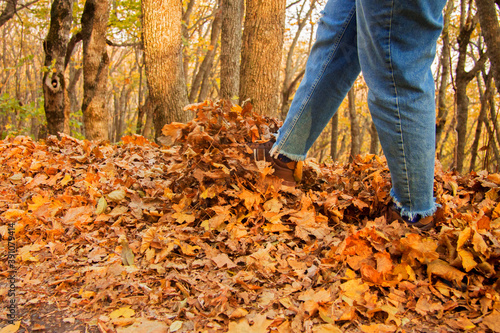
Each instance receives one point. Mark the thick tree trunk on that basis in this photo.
(95, 69)
(261, 54)
(56, 100)
(232, 14)
(208, 61)
(355, 137)
(8, 11)
(490, 30)
(164, 70)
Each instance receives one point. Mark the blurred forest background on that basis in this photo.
(101, 69)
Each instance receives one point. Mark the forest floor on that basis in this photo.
(195, 237)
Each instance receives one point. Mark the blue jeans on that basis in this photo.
(393, 42)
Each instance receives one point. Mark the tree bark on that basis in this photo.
(261, 54)
(355, 138)
(164, 70)
(334, 136)
(490, 30)
(232, 14)
(8, 11)
(462, 80)
(445, 73)
(56, 100)
(484, 97)
(95, 69)
(373, 138)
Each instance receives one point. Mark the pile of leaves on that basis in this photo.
(193, 236)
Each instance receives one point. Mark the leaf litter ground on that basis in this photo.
(193, 236)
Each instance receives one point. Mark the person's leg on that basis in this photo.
(331, 70)
(396, 46)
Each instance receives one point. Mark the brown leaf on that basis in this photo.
(442, 269)
(493, 321)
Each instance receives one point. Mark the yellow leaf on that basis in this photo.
(127, 254)
(101, 206)
(494, 177)
(147, 238)
(175, 326)
(12, 328)
(454, 187)
(467, 260)
(479, 244)
(189, 250)
(87, 294)
(122, 322)
(238, 313)
(13, 213)
(278, 227)
(464, 237)
(355, 289)
(67, 178)
(117, 195)
(125, 312)
(16, 178)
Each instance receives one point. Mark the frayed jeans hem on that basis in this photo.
(412, 214)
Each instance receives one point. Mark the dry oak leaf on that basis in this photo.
(493, 321)
(446, 271)
(222, 260)
(423, 250)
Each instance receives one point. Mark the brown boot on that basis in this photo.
(422, 223)
(290, 172)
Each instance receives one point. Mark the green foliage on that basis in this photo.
(76, 124)
(125, 21)
(17, 115)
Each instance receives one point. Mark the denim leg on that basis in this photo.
(396, 46)
(331, 69)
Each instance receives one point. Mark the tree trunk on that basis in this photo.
(164, 70)
(232, 14)
(186, 15)
(334, 136)
(56, 100)
(208, 61)
(355, 138)
(373, 138)
(490, 30)
(445, 73)
(462, 80)
(484, 97)
(8, 11)
(95, 69)
(261, 54)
